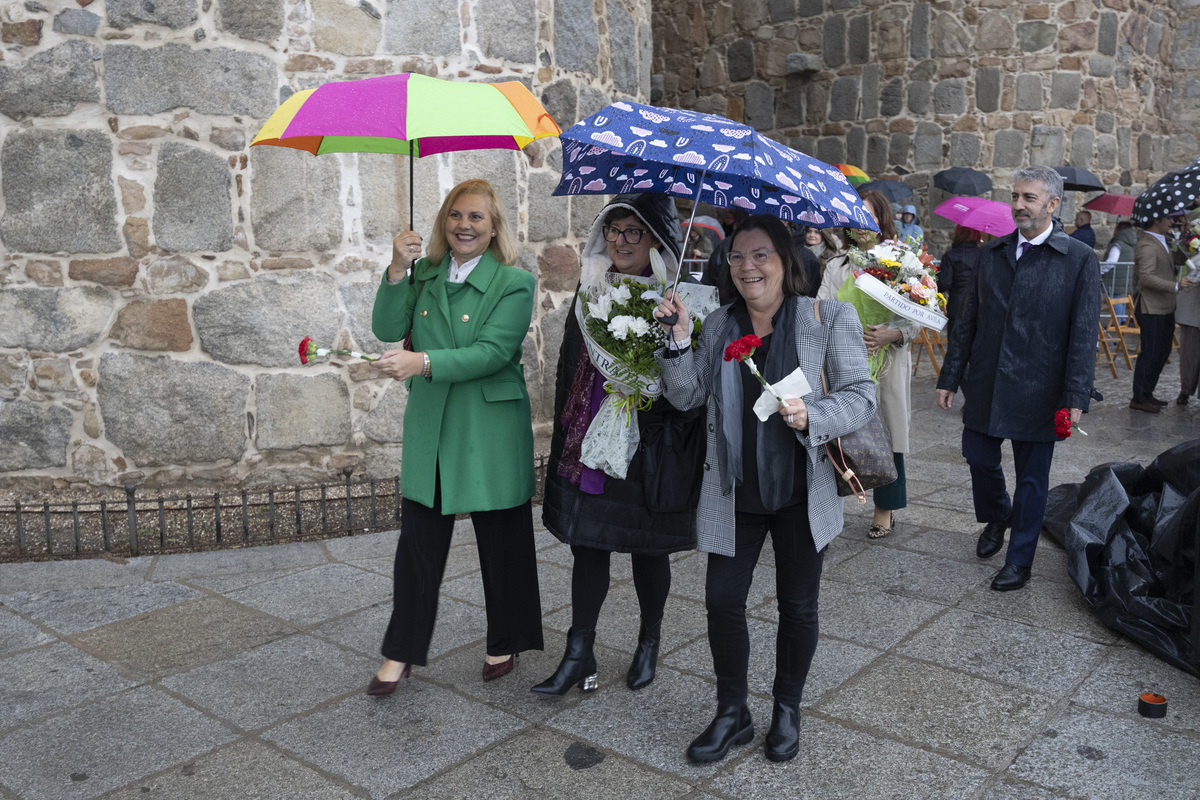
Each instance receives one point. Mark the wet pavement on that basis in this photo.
(240, 673)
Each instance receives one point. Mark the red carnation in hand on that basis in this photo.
(1062, 423)
(743, 348)
(307, 349)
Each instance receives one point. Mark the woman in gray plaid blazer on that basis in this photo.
(766, 477)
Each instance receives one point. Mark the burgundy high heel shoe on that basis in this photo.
(493, 671)
(378, 688)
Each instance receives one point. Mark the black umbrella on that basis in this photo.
(1172, 193)
(963, 181)
(894, 191)
(1077, 179)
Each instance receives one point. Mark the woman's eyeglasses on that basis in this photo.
(757, 258)
(632, 235)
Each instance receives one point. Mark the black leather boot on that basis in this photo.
(731, 726)
(578, 666)
(645, 658)
(783, 740)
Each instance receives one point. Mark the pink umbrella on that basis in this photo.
(978, 214)
(1119, 204)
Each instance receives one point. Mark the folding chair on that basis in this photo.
(1120, 327)
(1103, 348)
(925, 342)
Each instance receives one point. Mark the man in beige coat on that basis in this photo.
(1154, 307)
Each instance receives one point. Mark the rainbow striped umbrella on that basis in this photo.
(853, 174)
(408, 113)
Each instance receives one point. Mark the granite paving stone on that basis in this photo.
(1098, 755)
(152, 646)
(1046, 604)
(654, 725)
(870, 616)
(399, 740)
(104, 745)
(363, 630)
(79, 574)
(914, 574)
(32, 683)
(973, 719)
(531, 764)
(246, 689)
(840, 762)
(244, 769)
(18, 634)
(1115, 685)
(224, 584)
(370, 545)
(78, 611)
(316, 595)
(1004, 651)
(1011, 789)
(250, 559)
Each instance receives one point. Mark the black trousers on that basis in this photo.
(1027, 505)
(1157, 333)
(797, 584)
(589, 585)
(507, 562)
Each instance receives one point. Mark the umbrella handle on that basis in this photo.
(411, 273)
(672, 318)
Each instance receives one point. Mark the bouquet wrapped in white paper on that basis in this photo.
(621, 336)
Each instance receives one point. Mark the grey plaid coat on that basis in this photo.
(835, 343)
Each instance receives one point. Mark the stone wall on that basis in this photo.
(158, 274)
(904, 90)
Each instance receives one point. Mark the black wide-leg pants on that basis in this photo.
(508, 565)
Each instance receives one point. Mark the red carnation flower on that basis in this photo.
(742, 348)
(307, 350)
(1062, 423)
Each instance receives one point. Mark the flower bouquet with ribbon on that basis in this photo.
(621, 336)
(1189, 244)
(310, 352)
(892, 279)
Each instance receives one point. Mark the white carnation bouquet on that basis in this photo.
(622, 335)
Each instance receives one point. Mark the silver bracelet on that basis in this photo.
(388, 278)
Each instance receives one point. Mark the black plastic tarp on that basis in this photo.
(1131, 534)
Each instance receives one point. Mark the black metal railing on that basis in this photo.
(136, 523)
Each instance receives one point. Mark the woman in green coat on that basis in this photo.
(468, 440)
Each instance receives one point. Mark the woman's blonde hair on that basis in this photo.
(503, 245)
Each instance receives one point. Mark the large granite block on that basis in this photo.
(75, 611)
(294, 205)
(171, 13)
(31, 682)
(348, 29)
(315, 595)
(33, 436)
(162, 412)
(436, 31)
(262, 321)
(58, 192)
(102, 746)
(51, 83)
(213, 81)
(576, 37)
(54, 320)
(256, 20)
(192, 206)
(301, 411)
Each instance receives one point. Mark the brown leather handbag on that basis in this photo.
(863, 459)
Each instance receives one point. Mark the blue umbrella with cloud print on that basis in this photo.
(630, 148)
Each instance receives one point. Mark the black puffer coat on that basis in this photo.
(618, 519)
(1025, 343)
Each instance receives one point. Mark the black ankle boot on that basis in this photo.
(783, 740)
(578, 665)
(645, 658)
(731, 726)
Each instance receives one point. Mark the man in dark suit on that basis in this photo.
(1023, 347)
(1154, 307)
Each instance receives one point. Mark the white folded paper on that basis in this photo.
(794, 385)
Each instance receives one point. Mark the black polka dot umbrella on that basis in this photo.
(1172, 193)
